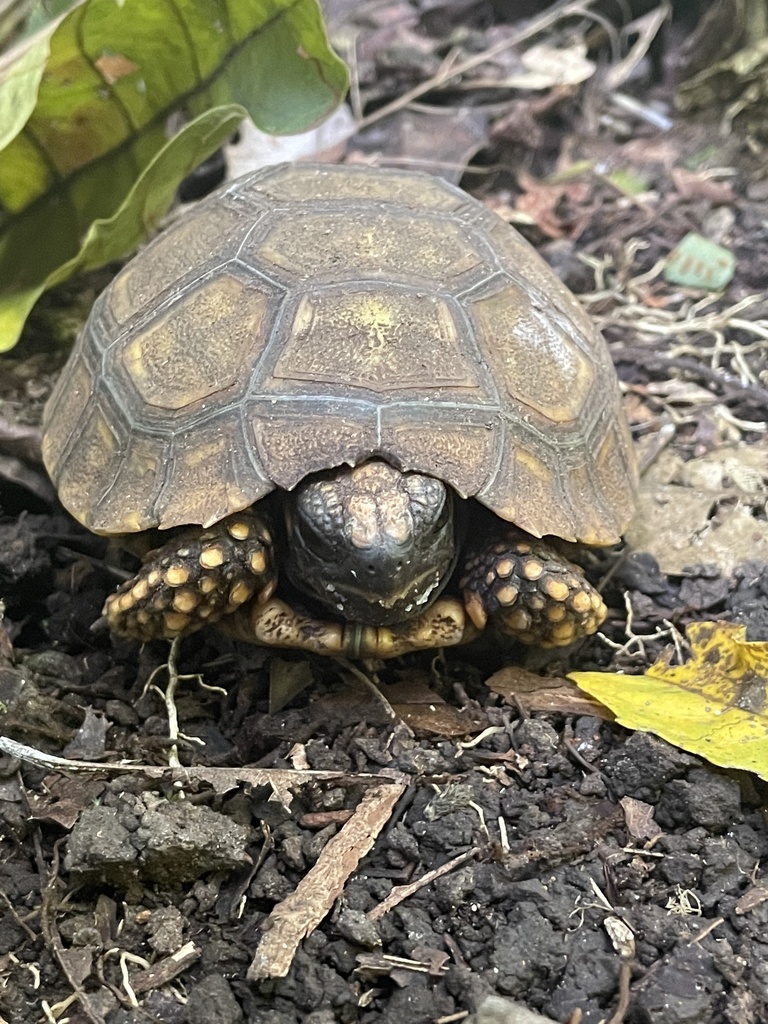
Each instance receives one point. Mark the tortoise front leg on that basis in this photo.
(275, 624)
(197, 577)
(531, 592)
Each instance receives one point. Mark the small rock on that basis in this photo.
(99, 845)
(683, 990)
(166, 930)
(704, 798)
(539, 736)
(212, 1000)
(355, 926)
(180, 841)
(643, 765)
(497, 1010)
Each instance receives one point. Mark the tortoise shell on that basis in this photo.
(304, 317)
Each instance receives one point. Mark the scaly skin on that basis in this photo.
(531, 592)
(198, 577)
(226, 575)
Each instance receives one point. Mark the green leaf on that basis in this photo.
(627, 182)
(85, 126)
(19, 82)
(44, 12)
(152, 194)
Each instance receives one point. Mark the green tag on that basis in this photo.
(699, 263)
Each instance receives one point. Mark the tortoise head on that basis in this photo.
(371, 543)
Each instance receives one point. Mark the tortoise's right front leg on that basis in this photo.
(197, 577)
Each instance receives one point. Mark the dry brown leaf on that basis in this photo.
(697, 185)
(412, 701)
(559, 210)
(544, 693)
(65, 799)
(639, 818)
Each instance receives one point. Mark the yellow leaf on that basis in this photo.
(715, 705)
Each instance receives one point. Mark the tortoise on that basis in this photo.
(365, 408)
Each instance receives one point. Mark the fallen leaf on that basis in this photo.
(544, 693)
(639, 818)
(65, 799)
(411, 700)
(709, 509)
(421, 708)
(287, 679)
(714, 705)
(698, 185)
(559, 209)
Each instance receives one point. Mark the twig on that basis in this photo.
(301, 912)
(625, 976)
(448, 70)
(401, 892)
(49, 904)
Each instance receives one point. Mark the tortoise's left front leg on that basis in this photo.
(530, 591)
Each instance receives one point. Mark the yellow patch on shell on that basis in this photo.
(207, 584)
(519, 619)
(556, 612)
(240, 593)
(238, 530)
(154, 578)
(582, 602)
(506, 595)
(175, 622)
(140, 591)
(563, 631)
(532, 570)
(505, 567)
